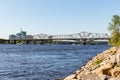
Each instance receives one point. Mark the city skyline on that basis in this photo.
(56, 16)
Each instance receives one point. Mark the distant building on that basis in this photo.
(12, 37)
(23, 34)
(29, 37)
(18, 36)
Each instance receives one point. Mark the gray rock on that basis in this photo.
(91, 77)
(115, 78)
(116, 72)
(70, 77)
(102, 77)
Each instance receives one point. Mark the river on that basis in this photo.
(44, 62)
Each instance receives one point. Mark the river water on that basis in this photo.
(44, 62)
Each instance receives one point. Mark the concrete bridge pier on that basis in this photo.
(11, 41)
(14, 42)
(84, 41)
(8, 42)
(27, 42)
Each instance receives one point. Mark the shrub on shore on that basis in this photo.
(114, 27)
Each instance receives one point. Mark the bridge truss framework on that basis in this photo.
(81, 36)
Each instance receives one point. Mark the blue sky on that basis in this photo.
(56, 16)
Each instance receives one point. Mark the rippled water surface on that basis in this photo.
(44, 62)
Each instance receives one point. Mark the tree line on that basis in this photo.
(114, 28)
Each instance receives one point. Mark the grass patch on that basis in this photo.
(98, 61)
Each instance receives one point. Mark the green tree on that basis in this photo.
(114, 27)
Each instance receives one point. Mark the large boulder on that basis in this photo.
(91, 77)
(117, 78)
(70, 77)
(103, 70)
(116, 72)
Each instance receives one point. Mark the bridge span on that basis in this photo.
(78, 37)
(83, 36)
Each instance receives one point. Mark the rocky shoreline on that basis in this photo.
(104, 66)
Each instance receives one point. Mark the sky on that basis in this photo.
(56, 16)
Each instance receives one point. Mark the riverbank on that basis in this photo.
(104, 66)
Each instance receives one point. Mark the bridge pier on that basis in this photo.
(27, 42)
(8, 42)
(14, 42)
(84, 41)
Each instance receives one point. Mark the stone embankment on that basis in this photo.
(104, 66)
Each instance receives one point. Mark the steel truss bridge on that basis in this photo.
(77, 36)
